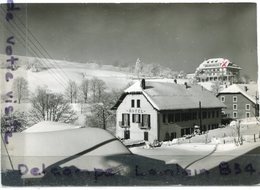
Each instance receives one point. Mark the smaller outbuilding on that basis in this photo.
(241, 101)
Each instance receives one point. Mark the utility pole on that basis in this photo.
(200, 115)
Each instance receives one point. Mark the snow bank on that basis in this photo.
(48, 126)
(36, 149)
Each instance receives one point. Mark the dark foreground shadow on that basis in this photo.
(143, 171)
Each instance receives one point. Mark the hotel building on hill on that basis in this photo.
(150, 110)
(218, 69)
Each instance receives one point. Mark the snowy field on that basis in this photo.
(56, 80)
(197, 153)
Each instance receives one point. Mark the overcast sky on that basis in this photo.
(177, 35)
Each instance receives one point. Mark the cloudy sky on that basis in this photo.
(180, 36)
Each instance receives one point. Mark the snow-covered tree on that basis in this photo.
(84, 88)
(48, 106)
(72, 91)
(98, 88)
(20, 88)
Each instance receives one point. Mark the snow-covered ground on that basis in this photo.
(196, 154)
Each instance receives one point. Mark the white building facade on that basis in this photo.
(164, 111)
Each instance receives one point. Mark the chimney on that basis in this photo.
(175, 81)
(143, 84)
(246, 88)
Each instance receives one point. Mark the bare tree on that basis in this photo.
(51, 107)
(84, 87)
(72, 91)
(98, 88)
(20, 88)
(101, 86)
(101, 114)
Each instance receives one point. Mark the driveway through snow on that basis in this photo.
(196, 156)
(182, 154)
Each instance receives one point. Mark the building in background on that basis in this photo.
(241, 100)
(218, 69)
(151, 110)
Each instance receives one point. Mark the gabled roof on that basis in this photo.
(250, 94)
(172, 96)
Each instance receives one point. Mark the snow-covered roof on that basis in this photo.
(216, 63)
(172, 96)
(48, 126)
(84, 148)
(252, 89)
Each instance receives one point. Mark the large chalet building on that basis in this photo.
(241, 101)
(218, 69)
(150, 110)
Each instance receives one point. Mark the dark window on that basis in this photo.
(204, 114)
(136, 118)
(170, 118)
(167, 136)
(164, 118)
(217, 113)
(182, 132)
(194, 115)
(138, 103)
(189, 116)
(127, 134)
(182, 116)
(146, 136)
(146, 120)
(126, 119)
(187, 131)
(177, 117)
(209, 114)
(213, 114)
(173, 135)
(133, 103)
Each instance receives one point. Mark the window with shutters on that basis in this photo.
(126, 119)
(136, 118)
(146, 120)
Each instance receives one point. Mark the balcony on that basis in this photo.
(143, 126)
(123, 125)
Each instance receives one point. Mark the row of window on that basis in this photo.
(137, 104)
(247, 107)
(235, 114)
(186, 116)
(223, 99)
(127, 135)
(143, 119)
